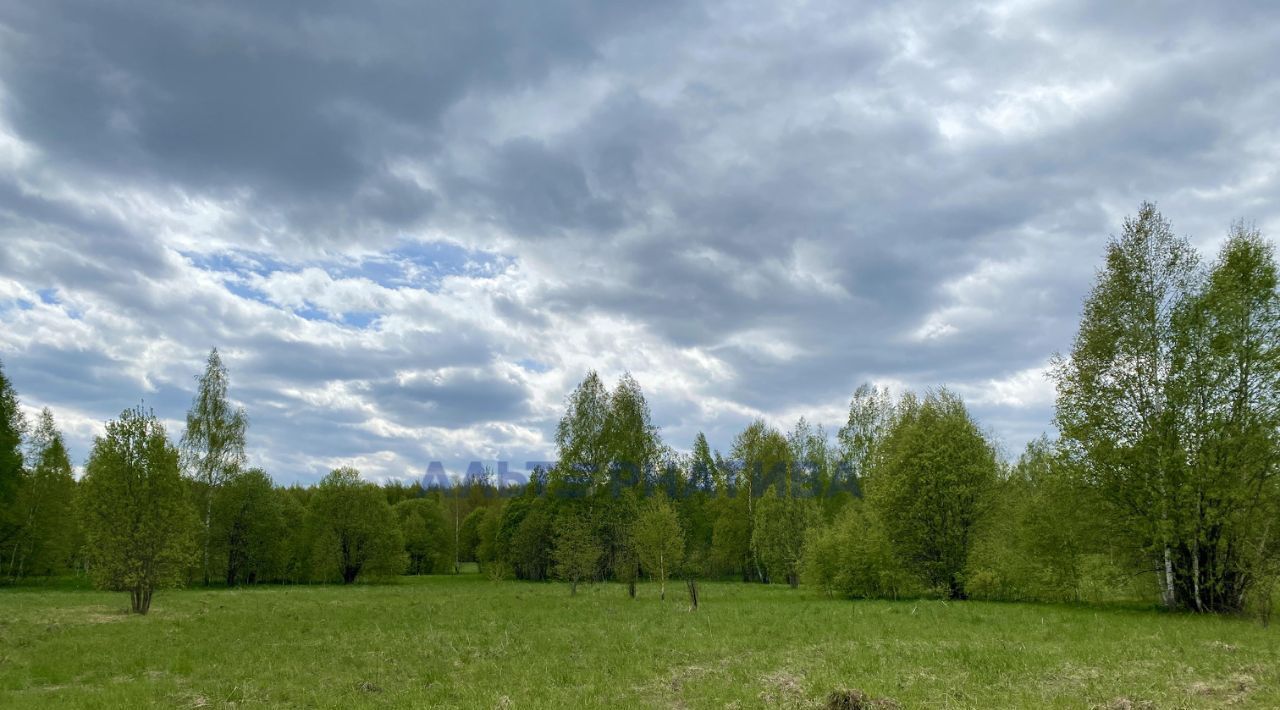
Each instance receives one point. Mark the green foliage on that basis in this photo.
(658, 540)
(1043, 535)
(580, 435)
(469, 535)
(12, 427)
(137, 518)
(1171, 396)
(487, 529)
(213, 445)
(577, 552)
(764, 459)
(44, 510)
(731, 537)
(870, 416)
(698, 507)
(630, 438)
(428, 536)
(779, 534)
(296, 542)
(356, 535)
(855, 557)
(928, 488)
(250, 531)
(704, 474)
(530, 549)
(523, 539)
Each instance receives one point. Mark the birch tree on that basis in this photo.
(1225, 390)
(213, 445)
(658, 540)
(765, 459)
(870, 416)
(1113, 390)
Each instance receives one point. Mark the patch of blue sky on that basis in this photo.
(380, 269)
(47, 297)
(238, 262)
(352, 319)
(416, 264)
(241, 288)
(360, 319)
(310, 312)
(533, 365)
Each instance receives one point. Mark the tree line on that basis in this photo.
(1161, 484)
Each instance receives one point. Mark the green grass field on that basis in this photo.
(470, 642)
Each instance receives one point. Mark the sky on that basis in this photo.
(411, 228)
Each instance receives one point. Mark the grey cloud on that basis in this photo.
(714, 177)
(451, 398)
(536, 192)
(299, 103)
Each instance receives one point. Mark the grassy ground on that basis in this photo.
(470, 642)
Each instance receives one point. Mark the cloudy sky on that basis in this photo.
(412, 227)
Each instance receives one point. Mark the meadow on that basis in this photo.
(467, 641)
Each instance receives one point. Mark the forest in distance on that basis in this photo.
(1160, 487)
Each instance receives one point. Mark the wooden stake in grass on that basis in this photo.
(693, 594)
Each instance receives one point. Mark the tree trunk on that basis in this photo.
(139, 600)
(573, 587)
(1195, 575)
(208, 531)
(662, 579)
(349, 574)
(631, 587)
(1170, 598)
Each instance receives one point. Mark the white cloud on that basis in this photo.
(750, 207)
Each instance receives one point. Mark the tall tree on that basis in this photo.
(213, 445)
(763, 459)
(249, 529)
(44, 506)
(870, 416)
(929, 487)
(1225, 391)
(813, 468)
(12, 427)
(703, 473)
(697, 506)
(580, 439)
(357, 535)
(781, 525)
(428, 536)
(631, 442)
(1113, 391)
(135, 509)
